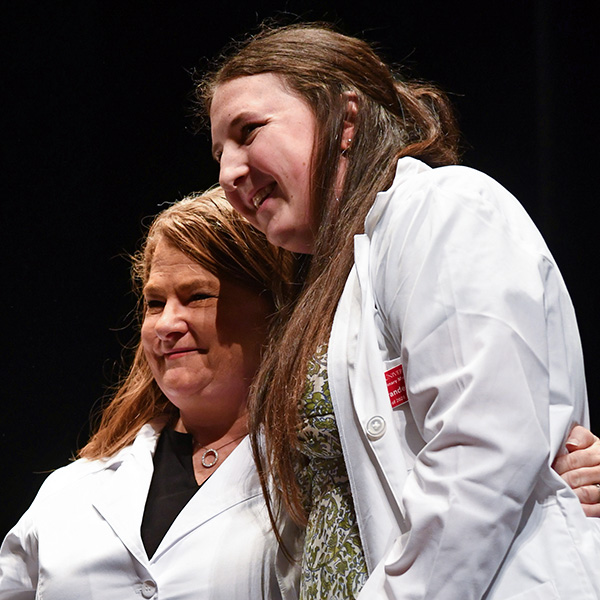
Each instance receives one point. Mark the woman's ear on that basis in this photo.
(349, 121)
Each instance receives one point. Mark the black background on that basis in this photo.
(95, 136)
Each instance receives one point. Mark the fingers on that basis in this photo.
(580, 438)
(591, 510)
(580, 468)
(588, 494)
(582, 477)
(562, 464)
(578, 459)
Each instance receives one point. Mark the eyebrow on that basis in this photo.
(186, 286)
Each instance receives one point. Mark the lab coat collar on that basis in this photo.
(357, 383)
(406, 168)
(122, 500)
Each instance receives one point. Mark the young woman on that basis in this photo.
(434, 345)
(165, 501)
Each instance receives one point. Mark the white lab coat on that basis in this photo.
(80, 539)
(453, 489)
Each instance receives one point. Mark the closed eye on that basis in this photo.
(154, 305)
(200, 297)
(248, 129)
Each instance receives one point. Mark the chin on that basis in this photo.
(182, 393)
(291, 241)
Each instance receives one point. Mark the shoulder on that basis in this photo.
(68, 477)
(455, 185)
(446, 200)
(83, 472)
(61, 488)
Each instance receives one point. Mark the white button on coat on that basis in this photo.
(376, 428)
(148, 589)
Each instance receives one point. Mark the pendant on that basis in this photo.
(208, 452)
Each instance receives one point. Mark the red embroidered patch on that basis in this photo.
(396, 386)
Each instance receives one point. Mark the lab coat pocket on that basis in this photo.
(544, 591)
(404, 422)
(394, 380)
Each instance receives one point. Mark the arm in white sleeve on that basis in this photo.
(18, 562)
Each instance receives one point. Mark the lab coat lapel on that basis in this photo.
(357, 380)
(234, 482)
(370, 392)
(122, 500)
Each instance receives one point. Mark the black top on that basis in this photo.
(172, 487)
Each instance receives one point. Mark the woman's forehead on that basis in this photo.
(248, 90)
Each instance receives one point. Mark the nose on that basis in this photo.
(233, 168)
(172, 322)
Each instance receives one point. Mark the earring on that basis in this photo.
(348, 144)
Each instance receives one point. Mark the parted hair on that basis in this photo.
(205, 228)
(396, 117)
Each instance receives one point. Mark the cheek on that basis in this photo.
(299, 179)
(147, 338)
(235, 202)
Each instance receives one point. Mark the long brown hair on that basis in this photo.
(396, 117)
(209, 231)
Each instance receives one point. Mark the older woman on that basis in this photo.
(165, 501)
(432, 362)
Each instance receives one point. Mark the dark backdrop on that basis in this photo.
(96, 137)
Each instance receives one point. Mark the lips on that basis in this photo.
(261, 195)
(178, 353)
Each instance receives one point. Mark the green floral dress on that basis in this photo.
(333, 563)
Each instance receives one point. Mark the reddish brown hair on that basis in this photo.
(210, 232)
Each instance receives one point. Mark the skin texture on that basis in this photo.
(202, 337)
(263, 138)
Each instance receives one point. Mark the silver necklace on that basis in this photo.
(214, 452)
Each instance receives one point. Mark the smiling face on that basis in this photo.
(201, 336)
(263, 137)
